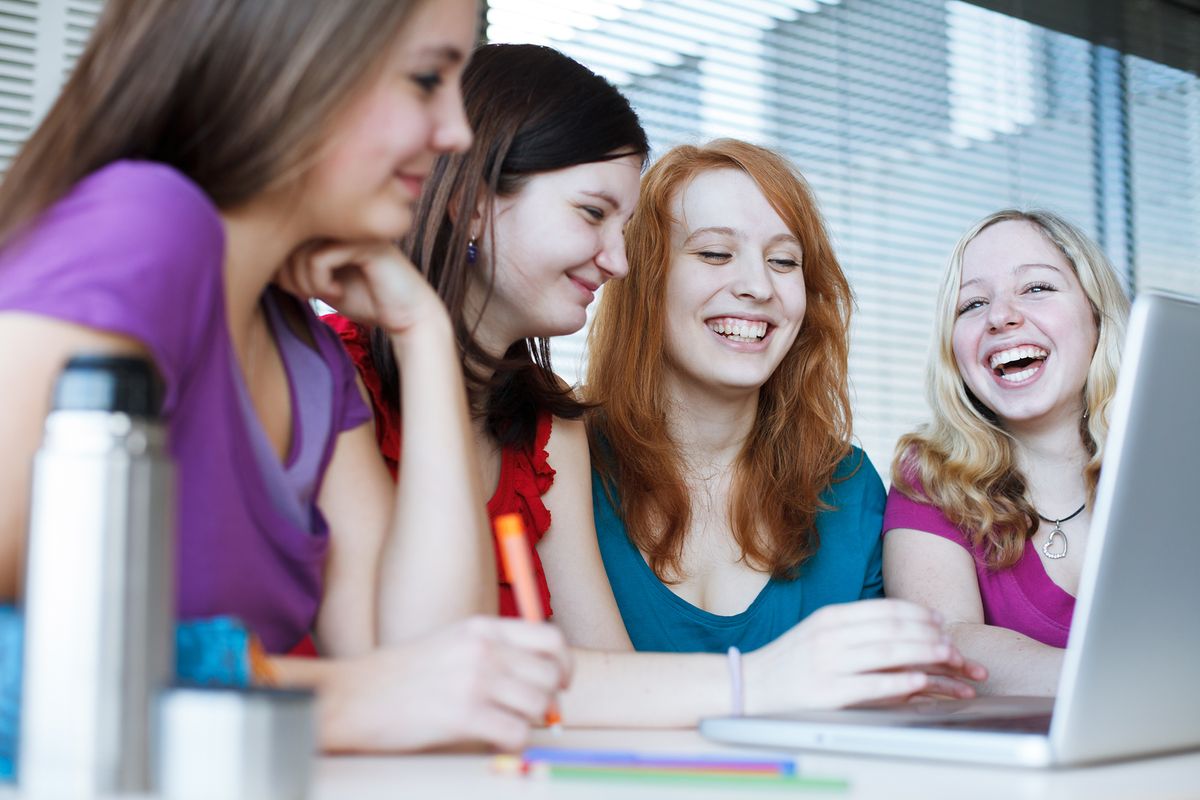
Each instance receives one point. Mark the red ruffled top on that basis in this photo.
(525, 472)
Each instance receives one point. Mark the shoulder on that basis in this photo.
(135, 249)
(556, 446)
(135, 223)
(904, 512)
(152, 203)
(856, 479)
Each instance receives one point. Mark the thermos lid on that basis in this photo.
(120, 383)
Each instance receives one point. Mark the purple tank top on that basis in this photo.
(137, 249)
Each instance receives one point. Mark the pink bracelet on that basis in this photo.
(735, 681)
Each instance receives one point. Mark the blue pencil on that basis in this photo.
(622, 758)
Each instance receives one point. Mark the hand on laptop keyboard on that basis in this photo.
(867, 652)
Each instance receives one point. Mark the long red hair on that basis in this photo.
(802, 430)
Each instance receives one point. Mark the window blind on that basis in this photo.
(1164, 135)
(40, 41)
(911, 119)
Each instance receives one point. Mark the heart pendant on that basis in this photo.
(1048, 548)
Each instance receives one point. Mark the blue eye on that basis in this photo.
(970, 305)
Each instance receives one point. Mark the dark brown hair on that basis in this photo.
(802, 430)
(533, 110)
(235, 95)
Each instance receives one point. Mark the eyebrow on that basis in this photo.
(784, 237)
(720, 231)
(1017, 268)
(606, 197)
(781, 237)
(445, 53)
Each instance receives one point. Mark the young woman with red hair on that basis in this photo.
(731, 508)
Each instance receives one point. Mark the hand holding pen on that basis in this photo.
(518, 567)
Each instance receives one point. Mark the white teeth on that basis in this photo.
(739, 330)
(1017, 377)
(1015, 354)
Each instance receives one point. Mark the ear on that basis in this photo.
(476, 221)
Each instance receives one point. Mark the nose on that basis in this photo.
(751, 279)
(452, 132)
(612, 258)
(1003, 313)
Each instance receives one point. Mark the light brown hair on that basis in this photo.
(802, 430)
(236, 95)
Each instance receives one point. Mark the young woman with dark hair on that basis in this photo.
(534, 211)
(197, 149)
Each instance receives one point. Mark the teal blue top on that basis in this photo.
(847, 566)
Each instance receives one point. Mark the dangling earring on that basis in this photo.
(472, 251)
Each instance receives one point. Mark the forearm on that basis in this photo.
(437, 563)
(645, 690)
(1016, 663)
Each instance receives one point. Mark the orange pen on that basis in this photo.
(518, 568)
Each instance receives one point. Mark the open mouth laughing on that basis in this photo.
(1018, 364)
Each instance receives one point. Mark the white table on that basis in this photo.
(469, 777)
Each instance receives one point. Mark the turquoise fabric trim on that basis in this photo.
(846, 567)
(209, 652)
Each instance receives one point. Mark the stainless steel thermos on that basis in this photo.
(99, 591)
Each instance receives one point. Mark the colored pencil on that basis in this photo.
(517, 564)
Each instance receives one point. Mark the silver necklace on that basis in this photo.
(1048, 545)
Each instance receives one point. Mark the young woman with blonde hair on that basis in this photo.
(988, 515)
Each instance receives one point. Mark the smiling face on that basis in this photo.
(370, 173)
(556, 241)
(1025, 332)
(735, 295)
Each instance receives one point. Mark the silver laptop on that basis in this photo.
(1130, 684)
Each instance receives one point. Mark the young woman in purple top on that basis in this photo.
(196, 151)
(987, 519)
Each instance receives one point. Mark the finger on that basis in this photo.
(538, 671)
(297, 269)
(539, 637)
(320, 264)
(947, 686)
(499, 728)
(958, 672)
(884, 655)
(875, 610)
(519, 696)
(879, 688)
(974, 670)
(883, 630)
(392, 315)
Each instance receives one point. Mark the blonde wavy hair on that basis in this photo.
(963, 462)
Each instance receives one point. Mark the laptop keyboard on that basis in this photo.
(1034, 723)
